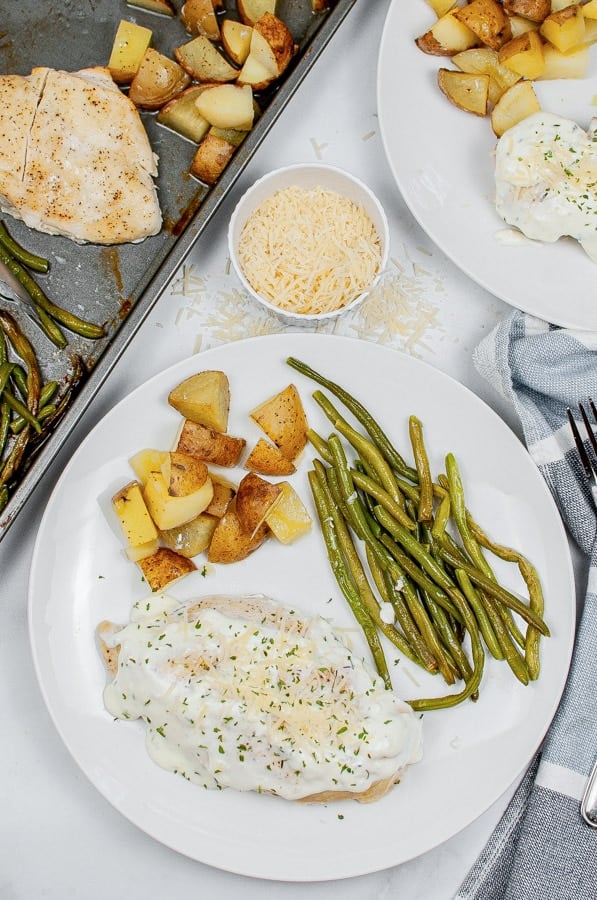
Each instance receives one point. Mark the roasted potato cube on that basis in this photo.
(254, 499)
(224, 494)
(283, 420)
(168, 511)
(514, 105)
(203, 61)
(484, 61)
(133, 515)
(181, 115)
(157, 80)
(565, 29)
(267, 459)
(524, 55)
(137, 553)
(211, 446)
(163, 567)
(199, 17)
(486, 19)
(289, 518)
(193, 537)
(448, 36)
(272, 42)
(130, 43)
(146, 461)
(589, 10)
(203, 398)
(574, 64)
(236, 40)
(183, 473)
(535, 10)
(211, 158)
(465, 90)
(230, 543)
(250, 11)
(227, 106)
(518, 25)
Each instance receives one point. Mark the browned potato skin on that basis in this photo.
(254, 499)
(430, 45)
(158, 80)
(211, 158)
(278, 37)
(283, 420)
(210, 446)
(230, 543)
(198, 17)
(267, 459)
(535, 10)
(187, 473)
(487, 19)
(163, 567)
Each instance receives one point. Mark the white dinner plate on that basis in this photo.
(442, 161)
(80, 576)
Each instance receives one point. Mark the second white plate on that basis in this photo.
(441, 159)
(80, 576)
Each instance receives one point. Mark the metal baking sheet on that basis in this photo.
(118, 285)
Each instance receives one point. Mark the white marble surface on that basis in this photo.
(58, 837)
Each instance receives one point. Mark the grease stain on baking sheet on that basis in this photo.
(402, 311)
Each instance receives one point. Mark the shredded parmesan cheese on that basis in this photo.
(309, 250)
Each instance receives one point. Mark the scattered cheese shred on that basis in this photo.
(308, 250)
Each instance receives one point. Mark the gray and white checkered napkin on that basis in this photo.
(541, 848)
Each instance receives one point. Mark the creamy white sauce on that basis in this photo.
(546, 180)
(229, 702)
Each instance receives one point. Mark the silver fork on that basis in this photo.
(588, 458)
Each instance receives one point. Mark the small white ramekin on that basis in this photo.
(308, 175)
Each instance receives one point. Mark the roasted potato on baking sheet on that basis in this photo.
(250, 11)
(157, 80)
(199, 17)
(211, 158)
(236, 39)
(130, 43)
(181, 115)
(203, 61)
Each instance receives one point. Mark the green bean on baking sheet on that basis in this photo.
(28, 407)
(424, 556)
